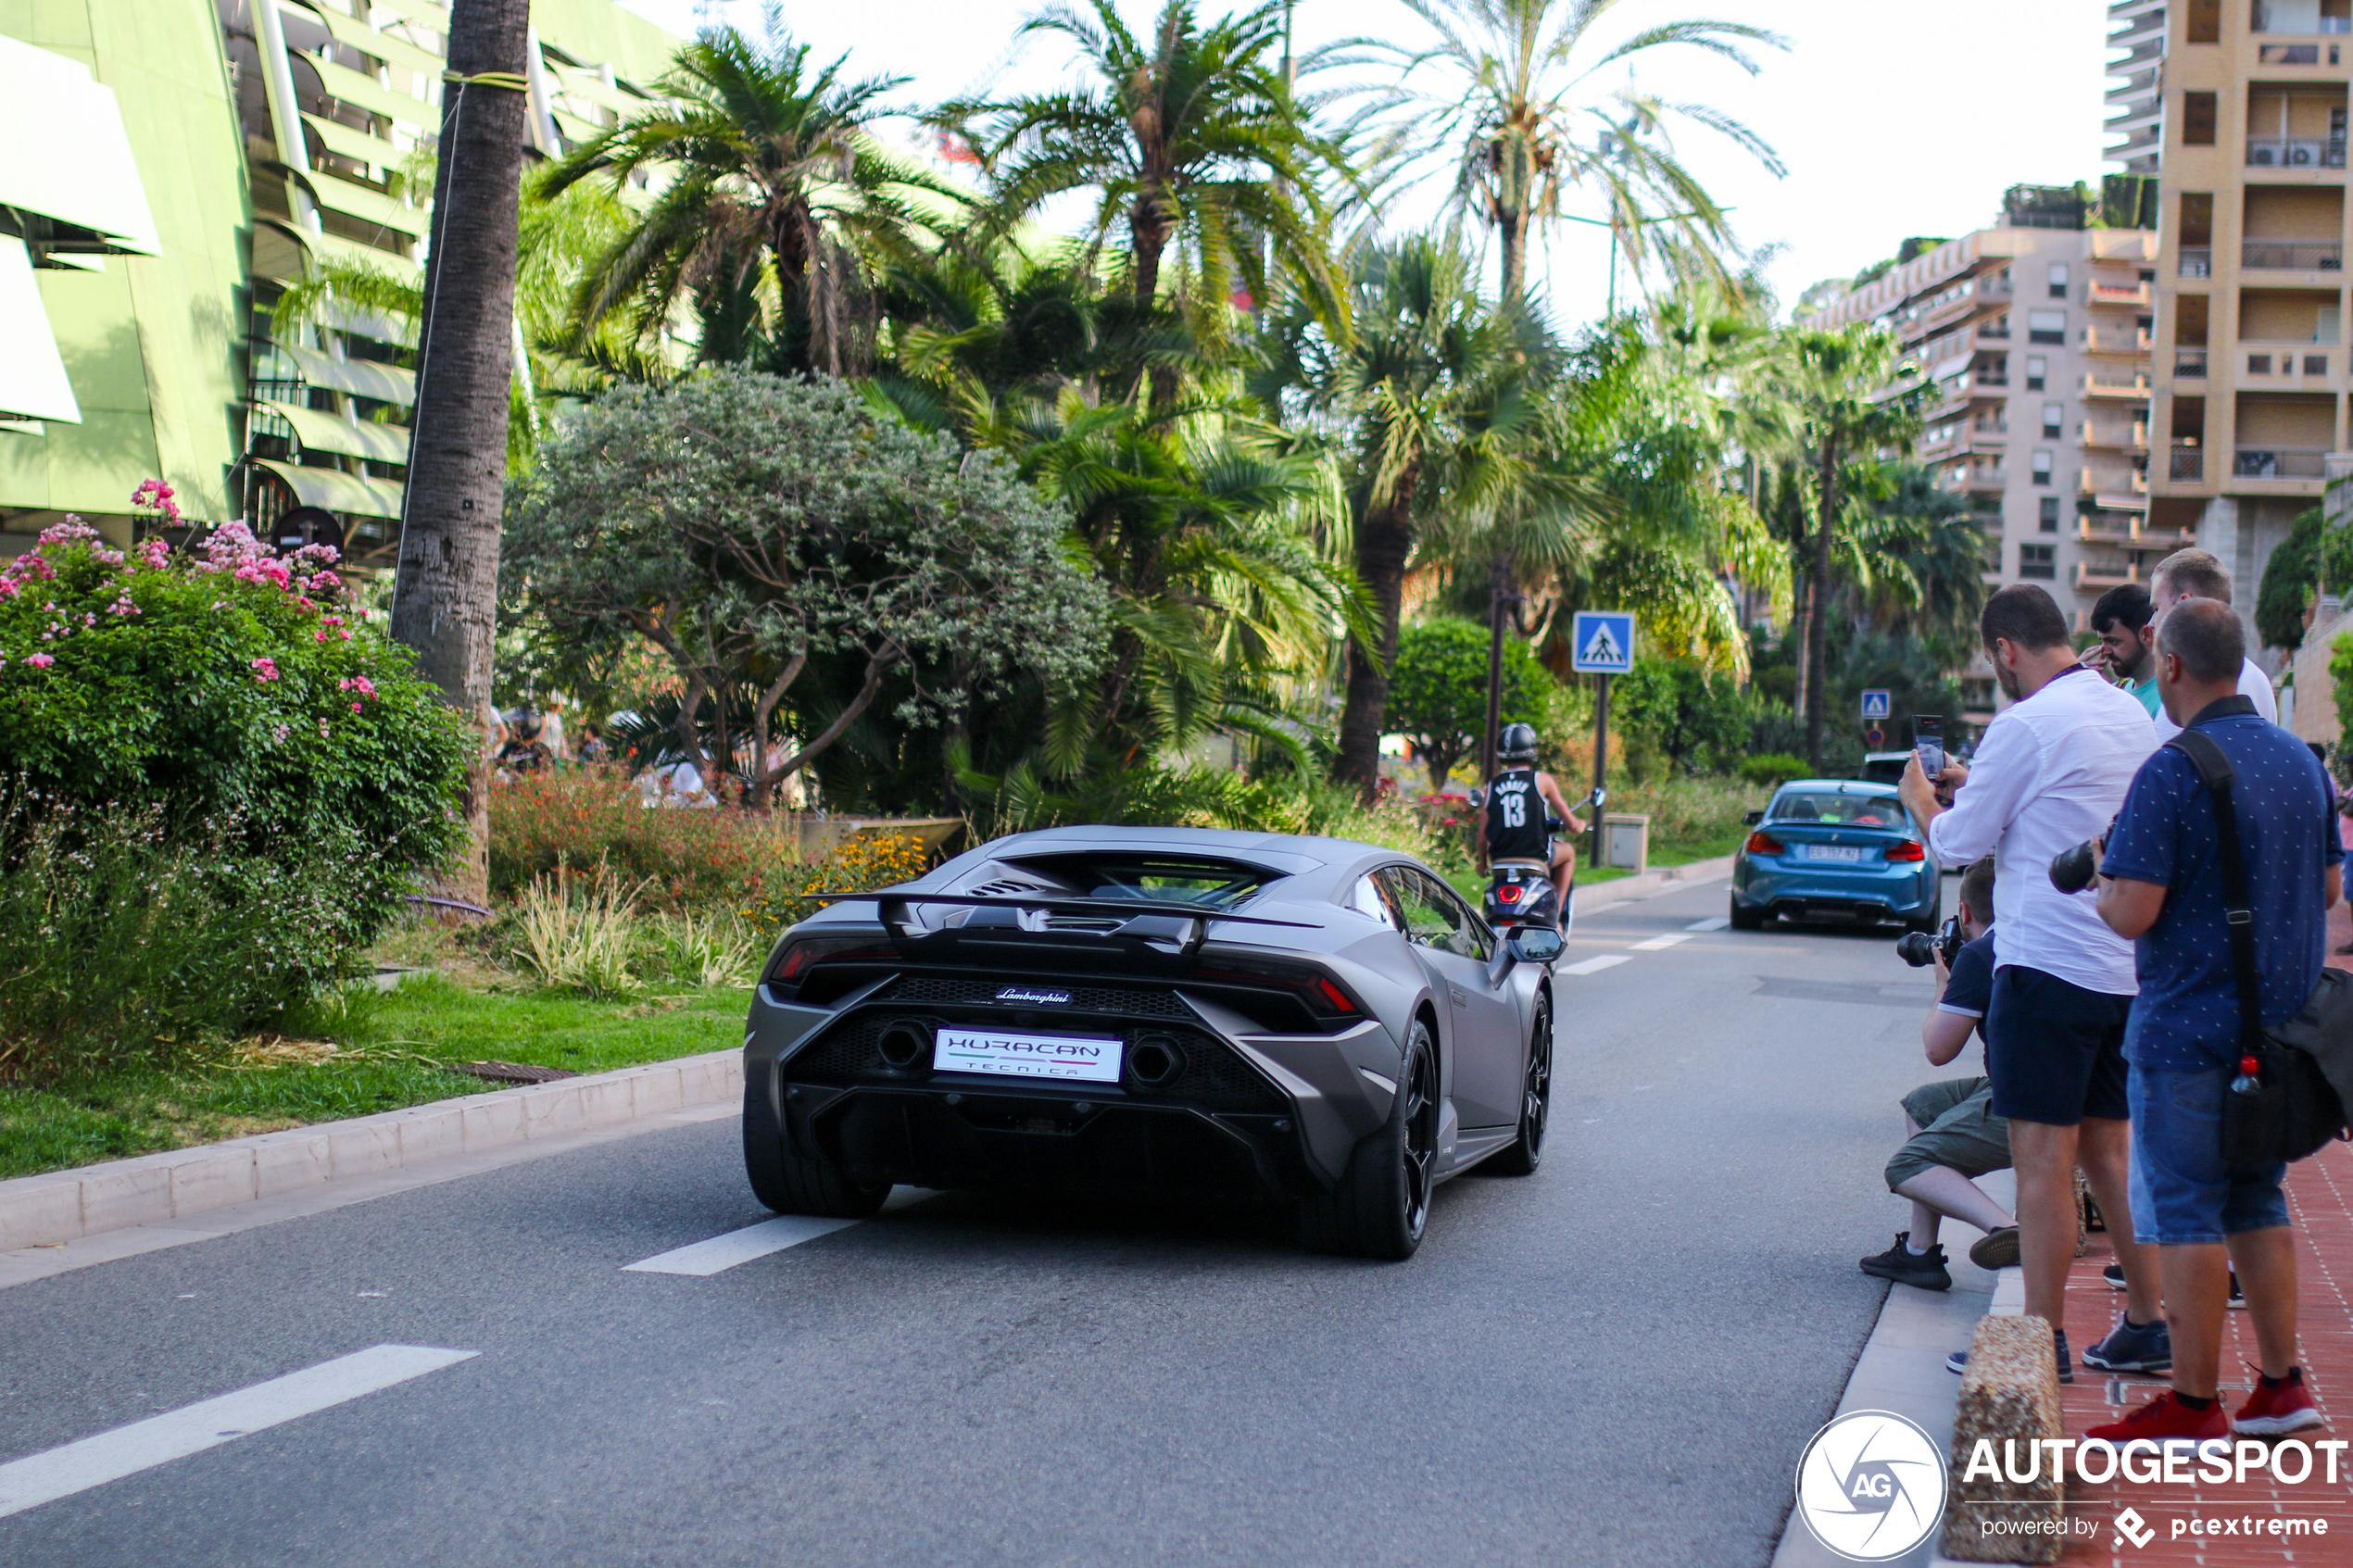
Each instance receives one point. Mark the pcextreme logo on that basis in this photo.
(1871, 1486)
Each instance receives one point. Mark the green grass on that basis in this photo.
(389, 1045)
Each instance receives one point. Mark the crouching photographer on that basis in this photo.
(1955, 1137)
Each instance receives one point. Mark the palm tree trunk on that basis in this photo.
(445, 598)
(1384, 540)
(1511, 228)
(1817, 620)
(1148, 237)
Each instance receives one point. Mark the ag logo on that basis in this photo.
(1871, 1486)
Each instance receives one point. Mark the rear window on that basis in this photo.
(1159, 879)
(1848, 811)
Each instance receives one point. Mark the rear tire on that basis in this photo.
(1527, 1151)
(1381, 1206)
(792, 1182)
(1746, 918)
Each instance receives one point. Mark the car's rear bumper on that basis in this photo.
(1899, 892)
(1251, 1115)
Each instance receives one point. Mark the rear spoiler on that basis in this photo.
(1186, 927)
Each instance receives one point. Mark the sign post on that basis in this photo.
(1876, 709)
(1602, 643)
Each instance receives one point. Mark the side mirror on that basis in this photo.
(1535, 944)
(1751, 818)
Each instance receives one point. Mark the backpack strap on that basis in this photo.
(2214, 770)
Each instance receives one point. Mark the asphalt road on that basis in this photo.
(1614, 1361)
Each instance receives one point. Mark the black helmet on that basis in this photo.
(1516, 744)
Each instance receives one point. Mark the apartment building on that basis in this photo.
(2038, 341)
(271, 136)
(2251, 362)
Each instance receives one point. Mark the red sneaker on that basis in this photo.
(2272, 1411)
(2166, 1420)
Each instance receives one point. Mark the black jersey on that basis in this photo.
(1516, 813)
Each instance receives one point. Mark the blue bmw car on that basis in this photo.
(1839, 848)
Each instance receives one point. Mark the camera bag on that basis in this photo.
(2304, 1068)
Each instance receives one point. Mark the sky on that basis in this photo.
(1896, 118)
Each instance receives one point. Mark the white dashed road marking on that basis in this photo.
(1713, 923)
(1594, 966)
(1656, 942)
(126, 1450)
(703, 1258)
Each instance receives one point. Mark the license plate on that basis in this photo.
(1092, 1059)
(1840, 853)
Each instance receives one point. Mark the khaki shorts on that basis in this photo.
(1958, 1130)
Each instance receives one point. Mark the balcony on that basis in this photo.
(2098, 577)
(1999, 330)
(2133, 437)
(2112, 482)
(2104, 531)
(2188, 465)
(2264, 21)
(2116, 340)
(2189, 366)
(2196, 261)
(2297, 255)
(2146, 538)
(2279, 462)
(2135, 294)
(2294, 151)
(2138, 387)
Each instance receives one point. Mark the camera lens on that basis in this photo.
(1917, 949)
(2071, 869)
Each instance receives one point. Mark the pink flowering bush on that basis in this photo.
(239, 699)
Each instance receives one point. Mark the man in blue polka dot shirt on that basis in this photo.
(2162, 886)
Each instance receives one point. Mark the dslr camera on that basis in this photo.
(2071, 868)
(1920, 949)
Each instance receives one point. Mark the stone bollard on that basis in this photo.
(2009, 1395)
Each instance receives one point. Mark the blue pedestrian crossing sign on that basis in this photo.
(1602, 643)
(1875, 705)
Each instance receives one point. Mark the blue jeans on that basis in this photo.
(2183, 1194)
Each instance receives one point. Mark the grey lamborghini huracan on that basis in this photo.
(1317, 1022)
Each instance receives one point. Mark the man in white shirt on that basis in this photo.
(2050, 772)
(2193, 574)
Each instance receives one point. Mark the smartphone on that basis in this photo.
(1928, 740)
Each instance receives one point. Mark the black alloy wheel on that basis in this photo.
(789, 1182)
(1380, 1207)
(1746, 918)
(1527, 1151)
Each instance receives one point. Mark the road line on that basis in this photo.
(703, 1258)
(1656, 942)
(723, 1252)
(1594, 966)
(1713, 923)
(59, 1473)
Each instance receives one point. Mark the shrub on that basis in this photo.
(1438, 690)
(1772, 767)
(868, 862)
(579, 933)
(1687, 809)
(680, 860)
(120, 939)
(238, 696)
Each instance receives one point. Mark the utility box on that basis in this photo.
(1626, 840)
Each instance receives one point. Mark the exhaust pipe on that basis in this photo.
(1155, 1060)
(905, 1044)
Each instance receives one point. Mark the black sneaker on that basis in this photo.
(2114, 1274)
(1958, 1363)
(1924, 1271)
(1997, 1249)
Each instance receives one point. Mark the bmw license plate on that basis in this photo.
(1092, 1059)
(1837, 854)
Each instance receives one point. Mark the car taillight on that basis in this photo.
(1907, 850)
(1762, 843)
(1324, 1001)
(796, 960)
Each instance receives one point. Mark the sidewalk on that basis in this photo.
(2320, 1194)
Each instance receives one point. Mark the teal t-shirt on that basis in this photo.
(2144, 690)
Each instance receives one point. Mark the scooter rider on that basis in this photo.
(1518, 799)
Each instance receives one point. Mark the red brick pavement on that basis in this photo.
(2320, 1194)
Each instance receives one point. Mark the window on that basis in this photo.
(2046, 326)
(2054, 416)
(2036, 368)
(2259, 364)
(2316, 364)
(1434, 916)
(1837, 810)
(1369, 899)
(2037, 561)
(2042, 468)
(2204, 24)
(2197, 120)
(2058, 280)
(2047, 513)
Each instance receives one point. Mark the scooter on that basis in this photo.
(1519, 892)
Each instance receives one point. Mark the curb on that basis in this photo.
(1665, 877)
(63, 1206)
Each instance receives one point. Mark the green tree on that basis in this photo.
(1438, 690)
(1190, 140)
(1506, 98)
(774, 203)
(2289, 578)
(753, 527)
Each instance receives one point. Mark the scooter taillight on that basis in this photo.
(1508, 893)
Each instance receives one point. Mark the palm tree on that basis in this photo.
(446, 593)
(1190, 139)
(1507, 98)
(776, 202)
